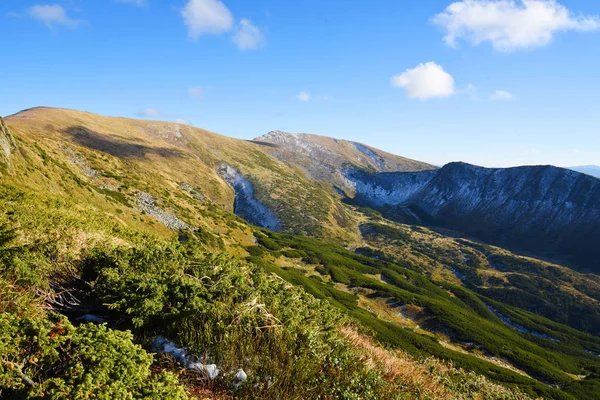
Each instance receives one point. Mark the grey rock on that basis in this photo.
(80, 161)
(162, 345)
(193, 191)
(147, 203)
(7, 144)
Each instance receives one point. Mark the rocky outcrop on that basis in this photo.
(246, 205)
(545, 210)
(193, 191)
(7, 144)
(147, 203)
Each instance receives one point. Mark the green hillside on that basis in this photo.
(117, 232)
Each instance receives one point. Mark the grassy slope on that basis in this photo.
(551, 290)
(323, 158)
(450, 312)
(46, 196)
(157, 157)
(59, 216)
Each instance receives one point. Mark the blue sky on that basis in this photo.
(491, 82)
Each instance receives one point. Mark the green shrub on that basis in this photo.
(236, 315)
(255, 251)
(49, 358)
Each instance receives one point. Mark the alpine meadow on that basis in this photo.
(436, 237)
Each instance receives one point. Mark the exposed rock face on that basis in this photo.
(7, 143)
(194, 192)
(324, 158)
(246, 206)
(147, 204)
(80, 161)
(546, 210)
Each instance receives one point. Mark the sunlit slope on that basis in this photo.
(170, 161)
(325, 159)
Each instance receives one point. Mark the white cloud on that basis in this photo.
(509, 25)
(501, 95)
(303, 96)
(196, 92)
(52, 15)
(247, 36)
(150, 112)
(425, 81)
(182, 121)
(206, 17)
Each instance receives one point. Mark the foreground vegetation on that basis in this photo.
(384, 311)
(545, 350)
(222, 310)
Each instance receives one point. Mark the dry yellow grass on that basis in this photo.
(426, 379)
(158, 157)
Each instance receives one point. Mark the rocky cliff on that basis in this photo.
(545, 210)
(7, 143)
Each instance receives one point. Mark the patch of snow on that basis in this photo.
(246, 205)
(240, 377)
(165, 346)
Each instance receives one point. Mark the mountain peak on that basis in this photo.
(324, 158)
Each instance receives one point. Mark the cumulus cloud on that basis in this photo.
(303, 96)
(509, 25)
(501, 95)
(52, 16)
(425, 81)
(247, 36)
(196, 92)
(150, 112)
(206, 17)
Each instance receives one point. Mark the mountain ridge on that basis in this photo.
(83, 187)
(324, 158)
(523, 207)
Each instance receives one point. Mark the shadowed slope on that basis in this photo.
(546, 210)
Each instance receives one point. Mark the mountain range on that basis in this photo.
(291, 257)
(543, 210)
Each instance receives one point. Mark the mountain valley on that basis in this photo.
(291, 258)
